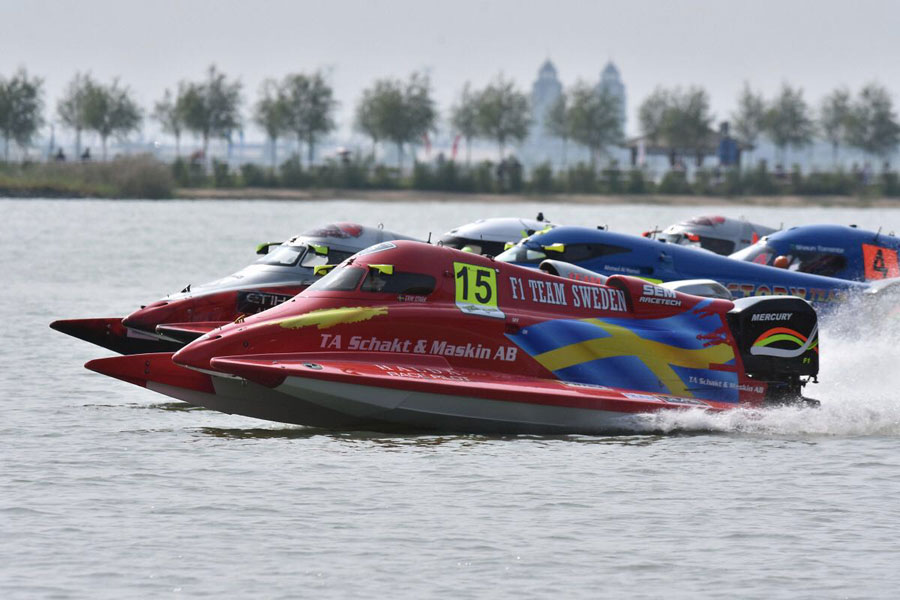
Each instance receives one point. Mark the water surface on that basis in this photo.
(110, 491)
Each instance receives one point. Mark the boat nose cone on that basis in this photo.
(148, 317)
(79, 328)
(198, 353)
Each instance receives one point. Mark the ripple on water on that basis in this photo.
(108, 490)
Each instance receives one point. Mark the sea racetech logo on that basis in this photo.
(653, 294)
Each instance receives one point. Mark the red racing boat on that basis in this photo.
(284, 270)
(413, 336)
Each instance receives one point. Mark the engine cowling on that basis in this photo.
(778, 338)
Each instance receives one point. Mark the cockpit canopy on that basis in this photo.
(304, 255)
(490, 237)
(532, 253)
(714, 233)
(327, 244)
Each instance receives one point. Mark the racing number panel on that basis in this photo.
(476, 290)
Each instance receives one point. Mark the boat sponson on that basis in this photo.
(436, 376)
(109, 333)
(140, 369)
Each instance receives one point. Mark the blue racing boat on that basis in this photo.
(609, 253)
(832, 250)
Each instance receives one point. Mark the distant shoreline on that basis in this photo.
(431, 196)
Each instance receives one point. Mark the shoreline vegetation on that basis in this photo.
(401, 118)
(144, 177)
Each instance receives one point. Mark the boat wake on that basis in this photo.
(859, 389)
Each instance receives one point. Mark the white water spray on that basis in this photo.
(859, 388)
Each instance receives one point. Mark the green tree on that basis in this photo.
(270, 113)
(111, 110)
(595, 118)
(21, 108)
(72, 106)
(211, 107)
(688, 120)
(402, 112)
(366, 119)
(834, 119)
(169, 112)
(558, 122)
(873, 126)
(503, 113)
(788, 122)
(421, 108)
(464, 118)
(652, 114)
(309, 108)
(750, 118)
(678, 118)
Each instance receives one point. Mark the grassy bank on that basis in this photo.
(258, 193)
(129, 177)
(448, 177)
(145, 177)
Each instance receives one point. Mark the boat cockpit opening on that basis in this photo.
(717, 245)
(304, 255)
(475, 246)
(573, 253)
(819, 263)
(375, 279)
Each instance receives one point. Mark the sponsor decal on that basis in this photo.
(588, 278)
(559, 293)
(683, 401)
(745, 290)
(540, 291)
(817, 248)
(598, 298)
(647, 397)
(719, 383)
(653, 294)
(590, 386)
(252, 302)
(771, 317)
(621, 269)
(432, 374)
(435, 347)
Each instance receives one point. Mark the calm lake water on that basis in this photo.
(111, 491)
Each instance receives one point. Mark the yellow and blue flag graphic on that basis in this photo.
(683, 355)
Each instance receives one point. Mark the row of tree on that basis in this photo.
(404, 113)
(866, 121)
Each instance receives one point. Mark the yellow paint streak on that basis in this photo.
(329, 317)
(658, 357)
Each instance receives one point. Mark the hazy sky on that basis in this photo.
(719, 44)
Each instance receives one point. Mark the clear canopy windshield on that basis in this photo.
(761, 254)
(341, 279)
(522, 254)
(283, 256)
(818, 263)
(717, 245)
(475, 246)
(290, 256)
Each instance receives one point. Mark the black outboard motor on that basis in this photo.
(778, 337)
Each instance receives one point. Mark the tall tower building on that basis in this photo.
(611, 81)
(544, 93)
